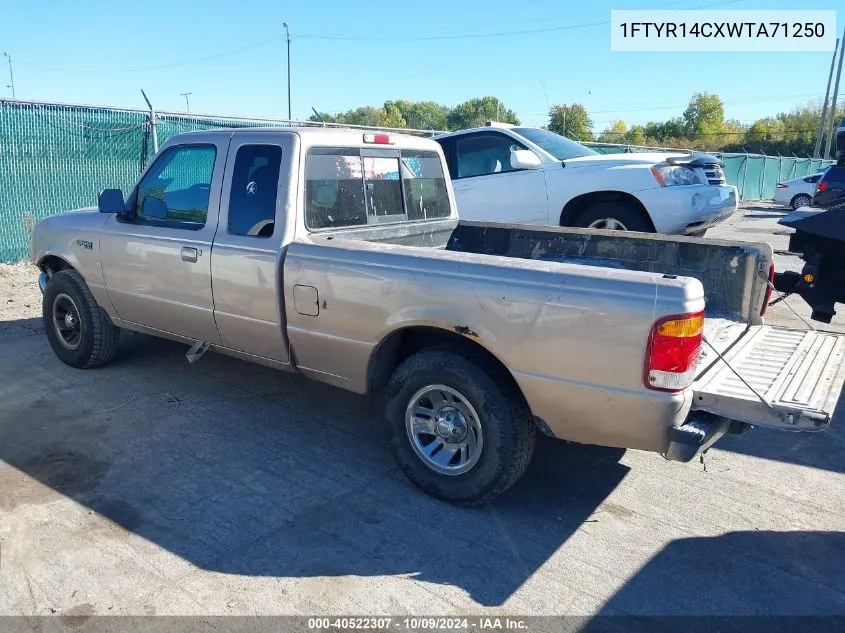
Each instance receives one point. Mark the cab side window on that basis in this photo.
(255, 185)
(483, 154)
(177, 188)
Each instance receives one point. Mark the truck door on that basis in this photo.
(157, 265)
(773, 376)
(248, 247)
(487, 188)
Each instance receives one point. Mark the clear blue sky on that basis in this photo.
(527, 71)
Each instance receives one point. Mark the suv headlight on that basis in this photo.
(672, 175)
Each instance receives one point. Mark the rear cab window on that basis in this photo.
(360, 186)
(255, 186)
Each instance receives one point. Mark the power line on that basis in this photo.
(459, 36)
(161, 67)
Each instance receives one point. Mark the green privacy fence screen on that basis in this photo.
(55, 157)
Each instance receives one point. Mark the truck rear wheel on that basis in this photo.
(460, 432)
(80, 331)
(612, 216)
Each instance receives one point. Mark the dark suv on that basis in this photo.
(830, 190)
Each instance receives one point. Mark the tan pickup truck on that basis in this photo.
(339, 254)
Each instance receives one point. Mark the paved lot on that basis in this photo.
(155, 487)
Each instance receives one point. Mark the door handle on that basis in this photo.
(189, 254)
(463, 188)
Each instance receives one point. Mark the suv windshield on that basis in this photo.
(558, 146)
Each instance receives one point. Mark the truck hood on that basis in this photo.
(608, 160)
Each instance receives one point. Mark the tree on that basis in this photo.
(571, 121)
(389, 116)
(636, 135)
(421, 115)
(765, 129)
(704, 116)
(324, 116)
(476, 112)
(616, 132)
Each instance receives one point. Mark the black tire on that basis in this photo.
(619, 211)
(508, 429)
(97, 335)
(801, 200)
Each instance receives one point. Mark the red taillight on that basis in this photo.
(674, 344)
(378, 139)
(769, 289)
(821, 186)
(782, 185)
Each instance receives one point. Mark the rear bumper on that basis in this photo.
(680, 210)
(42, 282)
(698, 433)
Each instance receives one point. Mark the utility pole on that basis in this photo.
(820, 135)
(11, 75)
(287, 31)
(152, 122)
(835, 93)
(187, 101)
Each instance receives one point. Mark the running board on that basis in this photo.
(776, 377)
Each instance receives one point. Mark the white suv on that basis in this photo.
(527, 175)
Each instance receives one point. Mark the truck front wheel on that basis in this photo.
(612, 216)
(80, 331)
(460, 432)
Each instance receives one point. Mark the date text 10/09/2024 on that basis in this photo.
(418, 623)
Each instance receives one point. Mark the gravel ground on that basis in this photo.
(155, 487)
(19, 294)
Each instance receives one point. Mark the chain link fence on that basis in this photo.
(55, 157)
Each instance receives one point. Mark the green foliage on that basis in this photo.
(421, 115)
(702, 125)
(704, 116)
(616, 132)
(571, 121)
(477, 112)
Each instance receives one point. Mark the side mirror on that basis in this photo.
(154, 208)
(525, 159)
(111, 201)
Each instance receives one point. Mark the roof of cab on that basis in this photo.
(346, 136)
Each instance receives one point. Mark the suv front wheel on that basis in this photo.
(612, 216)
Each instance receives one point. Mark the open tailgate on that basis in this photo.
(797, 374)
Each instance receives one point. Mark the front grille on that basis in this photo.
(714, 174)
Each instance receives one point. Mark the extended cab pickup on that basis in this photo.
(339, 254)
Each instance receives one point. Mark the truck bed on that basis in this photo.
(747, 371)
(734, 274)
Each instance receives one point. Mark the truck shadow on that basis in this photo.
(244, 470)
(708, 583)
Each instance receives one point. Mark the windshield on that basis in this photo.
(558, 146)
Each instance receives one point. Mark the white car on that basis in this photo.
(525, 175)
(798, 192)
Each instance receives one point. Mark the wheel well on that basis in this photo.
(52, 264)
(403, 343)
(578, 204)
(791, 202)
